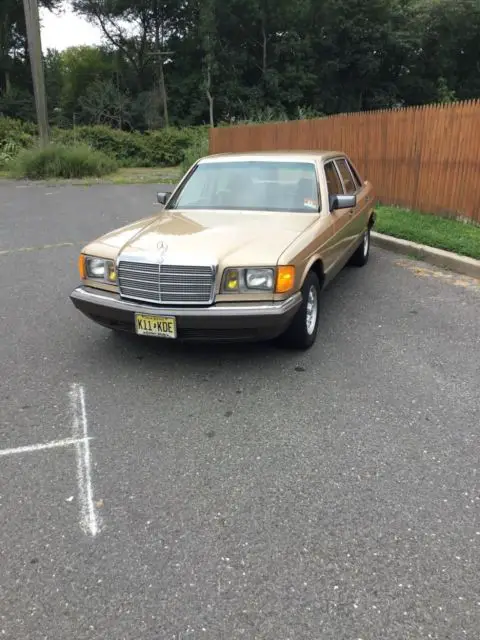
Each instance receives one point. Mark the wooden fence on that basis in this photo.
(424, 158)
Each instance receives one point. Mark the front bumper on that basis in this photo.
(219, 323)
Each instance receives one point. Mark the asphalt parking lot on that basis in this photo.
(233, 492)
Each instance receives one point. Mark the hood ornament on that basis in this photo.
(162, 250)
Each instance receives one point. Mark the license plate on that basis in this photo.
(157, 326)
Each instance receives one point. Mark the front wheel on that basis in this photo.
(302, 333)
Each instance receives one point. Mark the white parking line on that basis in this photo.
(6, 252)
(89, 520)
(41, 447)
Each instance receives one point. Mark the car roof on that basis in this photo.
(281, 156)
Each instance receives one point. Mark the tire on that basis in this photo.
(302, 332)
(361, 255)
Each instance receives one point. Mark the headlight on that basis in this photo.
(95, 267)
(243, 280)
(98, 269)
(259, 279)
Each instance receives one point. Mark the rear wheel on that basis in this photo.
(302, 333)
(361, 255)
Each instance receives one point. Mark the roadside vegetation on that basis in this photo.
(90, 151)
(60, 161)
(433, 231)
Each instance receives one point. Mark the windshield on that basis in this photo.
(257, 185)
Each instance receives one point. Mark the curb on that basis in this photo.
(438, 257)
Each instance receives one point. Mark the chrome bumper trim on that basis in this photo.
(223, 310)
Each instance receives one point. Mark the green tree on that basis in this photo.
(13, 39)
(247, 59)
(150, 24)
(82, 67)
(449, 59)
(105, 103)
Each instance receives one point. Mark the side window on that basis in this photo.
(356, 177)
(348, 181)
(334, 183)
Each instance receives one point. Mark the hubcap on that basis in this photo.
(366, 242)
(312, 310)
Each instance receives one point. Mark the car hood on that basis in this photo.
(236, 238)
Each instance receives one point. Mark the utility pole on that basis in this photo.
(32, 21)
(161, 79)
(159, 27)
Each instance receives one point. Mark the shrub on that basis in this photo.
(197, 150)
(166, 148)
(59, 161)
(8, 150)
(17, 133)
(10, 127)
(127, 148)
(160, 148)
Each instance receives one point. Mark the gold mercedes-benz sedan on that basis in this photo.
(240, 251)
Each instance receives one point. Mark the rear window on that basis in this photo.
(348, 181)
(334, 183)
(356, 177)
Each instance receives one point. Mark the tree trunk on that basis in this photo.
(264, 49)
(5, 51)
(208, 85)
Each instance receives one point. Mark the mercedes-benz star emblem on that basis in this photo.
(162, 250)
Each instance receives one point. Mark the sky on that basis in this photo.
(60, 31)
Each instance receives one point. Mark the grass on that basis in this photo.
(59, 161)
(132, 175)
(434, 231)
(165, 175)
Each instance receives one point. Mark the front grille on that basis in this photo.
(166, 284)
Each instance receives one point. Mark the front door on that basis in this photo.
(355, 220)
(340, 217)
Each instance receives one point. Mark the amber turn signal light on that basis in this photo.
(82, 269)
(285, 279)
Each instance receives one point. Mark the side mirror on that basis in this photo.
(163, 196)
(342, 202)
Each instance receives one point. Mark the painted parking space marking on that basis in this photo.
(89, 521)
(80, 440)
(55, 444)
(6, 252)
